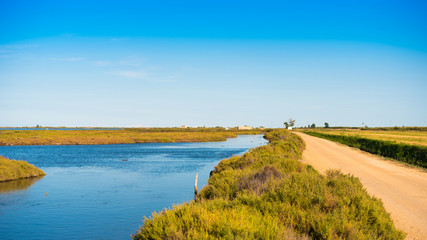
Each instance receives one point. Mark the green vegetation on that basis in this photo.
(290, 123)
(423, 129)
(402, 135)
(14, 169)
(412, 154)
(129, 135)
(269, 194)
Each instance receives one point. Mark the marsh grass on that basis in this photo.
(269, 194)
(81, 137)
(14, 169)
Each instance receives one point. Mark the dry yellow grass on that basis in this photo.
(408, 137)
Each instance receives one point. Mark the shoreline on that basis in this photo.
(106, 137)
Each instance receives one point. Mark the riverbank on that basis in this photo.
(269, 194)
(137, 135)
(15, 169)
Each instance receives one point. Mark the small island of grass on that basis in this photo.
(15, 169)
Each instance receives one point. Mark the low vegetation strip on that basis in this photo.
(80, 137)
(412, 154)
(269, 194)
(14, 169)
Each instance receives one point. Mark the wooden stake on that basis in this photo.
(195, 189)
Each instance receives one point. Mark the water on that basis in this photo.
(104, 191)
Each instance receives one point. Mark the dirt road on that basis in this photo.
(402, 189)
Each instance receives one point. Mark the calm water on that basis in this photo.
(92, 193)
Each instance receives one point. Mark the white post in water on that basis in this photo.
(195, 189)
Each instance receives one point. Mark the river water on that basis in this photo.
(104, 191)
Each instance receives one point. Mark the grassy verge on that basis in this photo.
(14, 169)
(269, 194)
(74, 137)
(412, 154)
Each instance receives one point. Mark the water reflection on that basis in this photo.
(17, 185)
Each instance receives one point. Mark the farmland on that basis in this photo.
(401, 135)
(402, 145)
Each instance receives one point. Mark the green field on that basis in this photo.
(269, 194)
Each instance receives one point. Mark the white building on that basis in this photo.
(244, 128)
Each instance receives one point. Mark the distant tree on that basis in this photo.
(286, 124)
(291, 122)
(326, 125)
(313, 125)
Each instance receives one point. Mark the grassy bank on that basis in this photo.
(269, 194)
(74, 137)
(412, 154)
(14, 169)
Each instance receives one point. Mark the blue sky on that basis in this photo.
(169, 63)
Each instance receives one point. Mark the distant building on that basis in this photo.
(244, 128)
(290, 128)
(184, 126)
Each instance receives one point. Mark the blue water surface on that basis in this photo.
(104, 191)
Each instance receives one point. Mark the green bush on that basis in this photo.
(412, 154)
(269, 194)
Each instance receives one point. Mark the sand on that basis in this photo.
(402, 189)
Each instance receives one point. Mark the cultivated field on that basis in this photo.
(411, 137)
(404, 145)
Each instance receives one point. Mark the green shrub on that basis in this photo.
(269, 194)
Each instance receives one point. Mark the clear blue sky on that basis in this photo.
(226, 63)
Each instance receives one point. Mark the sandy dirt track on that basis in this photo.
(402, 189)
